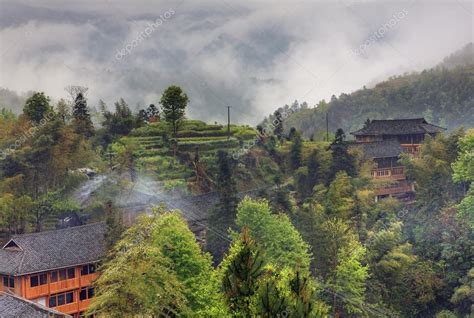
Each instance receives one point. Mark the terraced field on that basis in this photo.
(155, 150)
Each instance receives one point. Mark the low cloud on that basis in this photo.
(253, 56)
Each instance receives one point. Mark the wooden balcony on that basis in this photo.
(395, 188)
(395, 173)
(84, 304)
(87, 280)
(412, 149)
(70, 309)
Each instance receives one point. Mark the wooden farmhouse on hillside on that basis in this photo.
(384, 141)
(54, 269)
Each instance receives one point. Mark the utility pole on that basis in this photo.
(228, 122)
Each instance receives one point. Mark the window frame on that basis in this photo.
(69, 271)
(34, 281)
(9, 281)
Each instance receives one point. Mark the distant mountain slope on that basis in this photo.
(443, 96)
(12, 100)
(462, 57)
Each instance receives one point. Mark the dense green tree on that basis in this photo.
(48, 207)
(36, 107)
(173, 104)
(223, 216)
(158, 269)
(64, 111)
(349, 279)
(282, 243)
(340, 197)
(342, 160)
(463, 296)
(82, 121)
(278, 125)
(114, 222)
(464, 173)
(242, 268)
(120, 122)
(296, 155)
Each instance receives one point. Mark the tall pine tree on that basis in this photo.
(223, 216)
(241, 276)
(81, 117)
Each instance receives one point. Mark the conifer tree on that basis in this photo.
(241, 276)
(314, 167)
(36, 107)
(278, 123)
(296, 156)
(223, 216)
(114, 223)
(341, 159)
(81, 117)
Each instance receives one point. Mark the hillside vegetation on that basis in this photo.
(444, 97)
(172, 160)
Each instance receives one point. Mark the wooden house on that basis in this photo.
(384, 141)
(54, 269)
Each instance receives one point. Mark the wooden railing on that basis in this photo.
(399, 187)
(412, 149)
(396, 173)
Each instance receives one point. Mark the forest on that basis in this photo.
(294, 231)
(441, 95)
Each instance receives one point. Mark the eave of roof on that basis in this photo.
(26, 307)
(402, 127)
(51, 250)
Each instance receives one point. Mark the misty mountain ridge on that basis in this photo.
(443, 95)
(392, 98)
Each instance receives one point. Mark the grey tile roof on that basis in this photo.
(15, 307)
(380, 149)
(398, 127)
(48, 250)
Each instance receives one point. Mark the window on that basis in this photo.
(34, 281)
(52, 301)
(39, 279)
(61, 299)
(43, 279)
(88, 269)
(69, 298)
(63, 274)
(54, 277)
(71, 273)
(86, 293)
(9, 281)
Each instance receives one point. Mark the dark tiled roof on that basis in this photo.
(44, 251)
(398, 127)
(380, 149)
(15, 307)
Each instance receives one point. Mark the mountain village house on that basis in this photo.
(54, 269)
(384, 141)
(12, 306)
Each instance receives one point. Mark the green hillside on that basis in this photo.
(154, 151)
(443, 96)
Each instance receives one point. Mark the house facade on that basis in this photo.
(54, 269)
(384, 141)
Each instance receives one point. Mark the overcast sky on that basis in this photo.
(253, 56)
